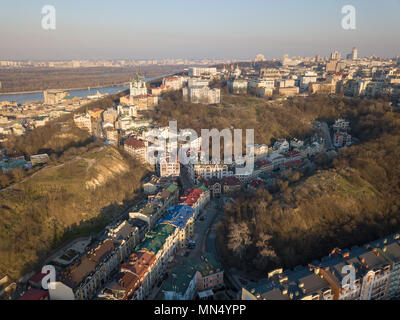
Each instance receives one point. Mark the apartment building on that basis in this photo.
(84, 122)
(237, 86)
(308, 78)
(89, 273)
(140, 264)
(142, 102)
(169, 168)
(208, 171)
(136, 148)
(257, 83)
(375, 267)
(288, 92)
(322, 88)
(196, 198)
(280, 146)
(299, 284)
(112, 136)
(210, 273)
(52, 97)
(125, 237)
(202, 72)
(203, 95)
(193, 276)
(123, 287)
(96, 113)
(341, 139)
(231, 185)
(181, 217)
(173, 83)
(162, 242)
(153, 209)
(182, 283)
(110, 115)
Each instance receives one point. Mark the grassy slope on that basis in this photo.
(60, 202)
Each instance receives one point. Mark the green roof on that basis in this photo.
(202, 188)
(180, 277)
(185, 272)
(210, 266)
(172, 188)
(154, 240)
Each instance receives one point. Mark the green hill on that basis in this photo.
(59, 202)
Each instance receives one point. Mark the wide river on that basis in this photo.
(83, 93)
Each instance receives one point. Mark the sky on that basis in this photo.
(156, 29)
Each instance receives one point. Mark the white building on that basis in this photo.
(83, 121)
(201, 72)
(238, 86)
(281, 146)
(169, 168)
(209, 171)
(173, 83)
(203, 95)
(306, 79)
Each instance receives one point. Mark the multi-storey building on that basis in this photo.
(203, 95)
(208, 171)
(289, 91)
(141, 264)
(125, 237)
(202, 72)
(341, 139)
(110, 115)
(172, 83)
(154, 208)
(54, 96)
(193, 276)
(369, 272)
(89, 273)
(83, 121)
(169, 168)
(196, 198)
(237, 86)
(181, 217)
(136, 148)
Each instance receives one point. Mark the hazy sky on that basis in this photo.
(130, 29)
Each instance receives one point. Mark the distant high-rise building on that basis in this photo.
(335, 55)
(355, 53)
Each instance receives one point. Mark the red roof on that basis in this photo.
(255, 183)
(191, 196)
(171, 78)
(34, 294)
(134, 143)
(293, 153)
(262, 163)
(231, 181)
(294, 163)
(37, 277)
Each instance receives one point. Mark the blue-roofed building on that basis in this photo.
(11, 164)
(181, 217)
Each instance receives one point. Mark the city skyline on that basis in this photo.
(177, 29)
